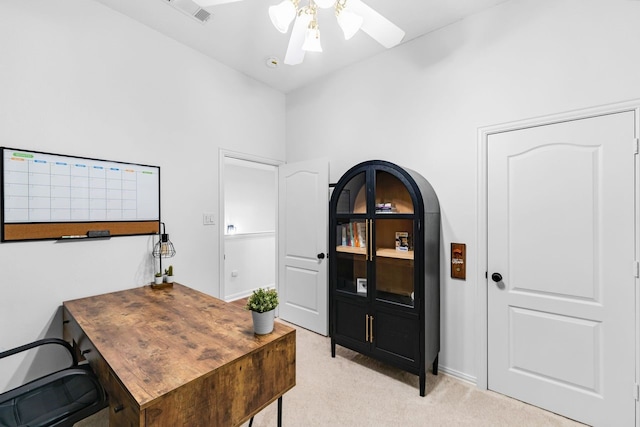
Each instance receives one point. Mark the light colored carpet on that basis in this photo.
(352, 390)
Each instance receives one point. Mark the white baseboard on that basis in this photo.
(457, 374)
(237, 296)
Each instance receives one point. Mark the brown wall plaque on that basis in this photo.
(459, 261)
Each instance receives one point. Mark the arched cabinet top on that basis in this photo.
(382, 187)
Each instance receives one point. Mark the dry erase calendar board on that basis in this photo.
(53, 196)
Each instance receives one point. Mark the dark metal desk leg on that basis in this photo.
(280, 411)
(251, 422)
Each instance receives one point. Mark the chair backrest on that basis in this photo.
(58, 399)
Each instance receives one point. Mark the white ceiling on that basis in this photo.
(240, 34)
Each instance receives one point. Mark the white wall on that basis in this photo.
(253, 259)
(421, 104)
(78, 78)
(250, 204)
(250, 197)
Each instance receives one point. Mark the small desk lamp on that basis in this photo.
(163, 247)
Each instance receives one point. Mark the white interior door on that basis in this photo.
(561, 233)
(302, 244)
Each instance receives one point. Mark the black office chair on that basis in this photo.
(58, 399)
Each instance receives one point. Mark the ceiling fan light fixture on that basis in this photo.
(349, 22)
(283, 14)
(312, 39)
(295, 54)
(305, 36)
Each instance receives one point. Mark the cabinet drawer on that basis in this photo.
(123, 410)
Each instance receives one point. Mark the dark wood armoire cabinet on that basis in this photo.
(384, 267)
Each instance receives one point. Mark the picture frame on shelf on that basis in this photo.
(361, 285)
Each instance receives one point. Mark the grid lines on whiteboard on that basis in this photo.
(48, 188)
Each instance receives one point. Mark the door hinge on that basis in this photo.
(636, 269)
(636, 391)
(636, 146)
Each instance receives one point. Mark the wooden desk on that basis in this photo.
(177, 357)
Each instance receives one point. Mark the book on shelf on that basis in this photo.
(353, 234)
(402, 240)
(385, 208)
(361, 233)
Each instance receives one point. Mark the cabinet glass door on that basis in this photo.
(353, 197)
(352, 255)
(352, 229)
(392, 196)
(395, 278)
(394, 245)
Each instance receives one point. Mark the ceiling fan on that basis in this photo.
(352, 15)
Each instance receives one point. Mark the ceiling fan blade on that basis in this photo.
(295, 54)
(377, 26)
(208, 3)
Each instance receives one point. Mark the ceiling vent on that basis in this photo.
(190, 8)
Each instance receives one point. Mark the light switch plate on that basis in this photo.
(208, 218)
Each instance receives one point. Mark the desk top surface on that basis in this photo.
(156, 340)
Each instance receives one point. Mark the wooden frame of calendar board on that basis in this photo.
(47, 196)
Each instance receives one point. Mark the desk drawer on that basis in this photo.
(123, 410)
(84, 348)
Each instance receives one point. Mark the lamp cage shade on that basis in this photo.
(163, 247)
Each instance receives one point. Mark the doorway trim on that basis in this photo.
(222, 155)
(484, 133)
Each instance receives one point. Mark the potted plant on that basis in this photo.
(169, 274)
(262, 303)
(158, 278)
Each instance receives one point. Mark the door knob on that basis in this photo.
(496, 277)
(320, 256)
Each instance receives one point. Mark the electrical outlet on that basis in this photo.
(208, 219)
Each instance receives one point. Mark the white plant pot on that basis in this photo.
(169, 279)
(263, 322)
(158, 280)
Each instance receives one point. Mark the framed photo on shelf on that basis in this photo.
(402, 241)
(361, 285)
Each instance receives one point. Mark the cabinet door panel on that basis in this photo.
(353, 197)
(396, 336)
(392, 195)
(395, 273)
(351, 321)
(351, 257)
